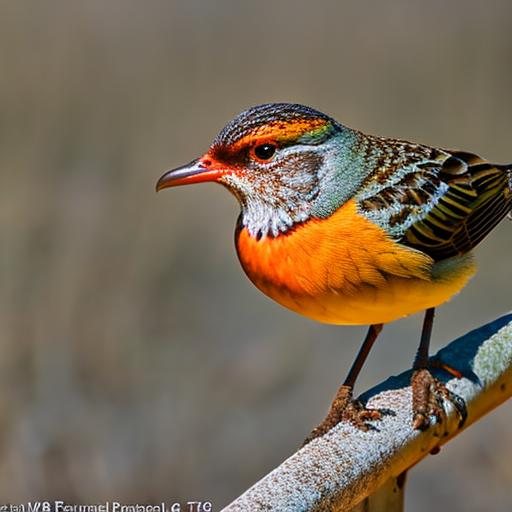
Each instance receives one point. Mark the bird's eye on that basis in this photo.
(264, 152)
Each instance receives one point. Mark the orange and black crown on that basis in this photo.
(285, 121)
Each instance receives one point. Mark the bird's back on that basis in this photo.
(440, 202)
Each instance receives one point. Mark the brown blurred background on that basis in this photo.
(136, 360)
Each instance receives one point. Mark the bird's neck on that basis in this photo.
(342, 169)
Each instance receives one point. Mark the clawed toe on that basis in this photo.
(345, 409)
(359, 416)
(428, 395)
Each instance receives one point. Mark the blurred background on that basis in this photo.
(137, 362)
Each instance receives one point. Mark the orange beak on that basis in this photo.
(197, 171)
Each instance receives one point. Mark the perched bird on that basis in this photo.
(348, 228)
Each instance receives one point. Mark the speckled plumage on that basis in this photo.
(439, 201)
(278, 195)
(401, 186)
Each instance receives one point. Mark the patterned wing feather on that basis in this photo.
(444, 205)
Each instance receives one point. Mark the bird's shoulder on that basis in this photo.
(442, 202)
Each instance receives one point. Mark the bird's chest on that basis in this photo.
(334, 270)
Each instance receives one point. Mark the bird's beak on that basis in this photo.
(197, 171)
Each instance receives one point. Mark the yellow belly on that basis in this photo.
(346, 270)
(374, 305)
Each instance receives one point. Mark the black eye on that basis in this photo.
(264, 151)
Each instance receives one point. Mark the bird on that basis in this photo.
(348, 228)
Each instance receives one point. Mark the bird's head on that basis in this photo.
(276, 159)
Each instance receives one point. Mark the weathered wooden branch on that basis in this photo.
(348, 469)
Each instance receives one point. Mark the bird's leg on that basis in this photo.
(428, 392)
(343, 407)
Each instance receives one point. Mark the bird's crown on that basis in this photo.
(283, 123)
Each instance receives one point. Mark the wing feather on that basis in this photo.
(443, 206)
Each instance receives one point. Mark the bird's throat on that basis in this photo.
(262, 219)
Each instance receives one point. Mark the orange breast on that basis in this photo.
(346, 270)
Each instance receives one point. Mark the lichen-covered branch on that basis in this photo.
(342, 468)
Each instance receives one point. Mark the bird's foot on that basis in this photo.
(345, 408)
(428, 395)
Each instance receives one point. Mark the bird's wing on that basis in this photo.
(443, 205)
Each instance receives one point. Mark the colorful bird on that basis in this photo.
(348, 228)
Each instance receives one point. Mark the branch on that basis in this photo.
(342, 468)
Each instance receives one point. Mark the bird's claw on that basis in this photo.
(428, 395)
(345, 409)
